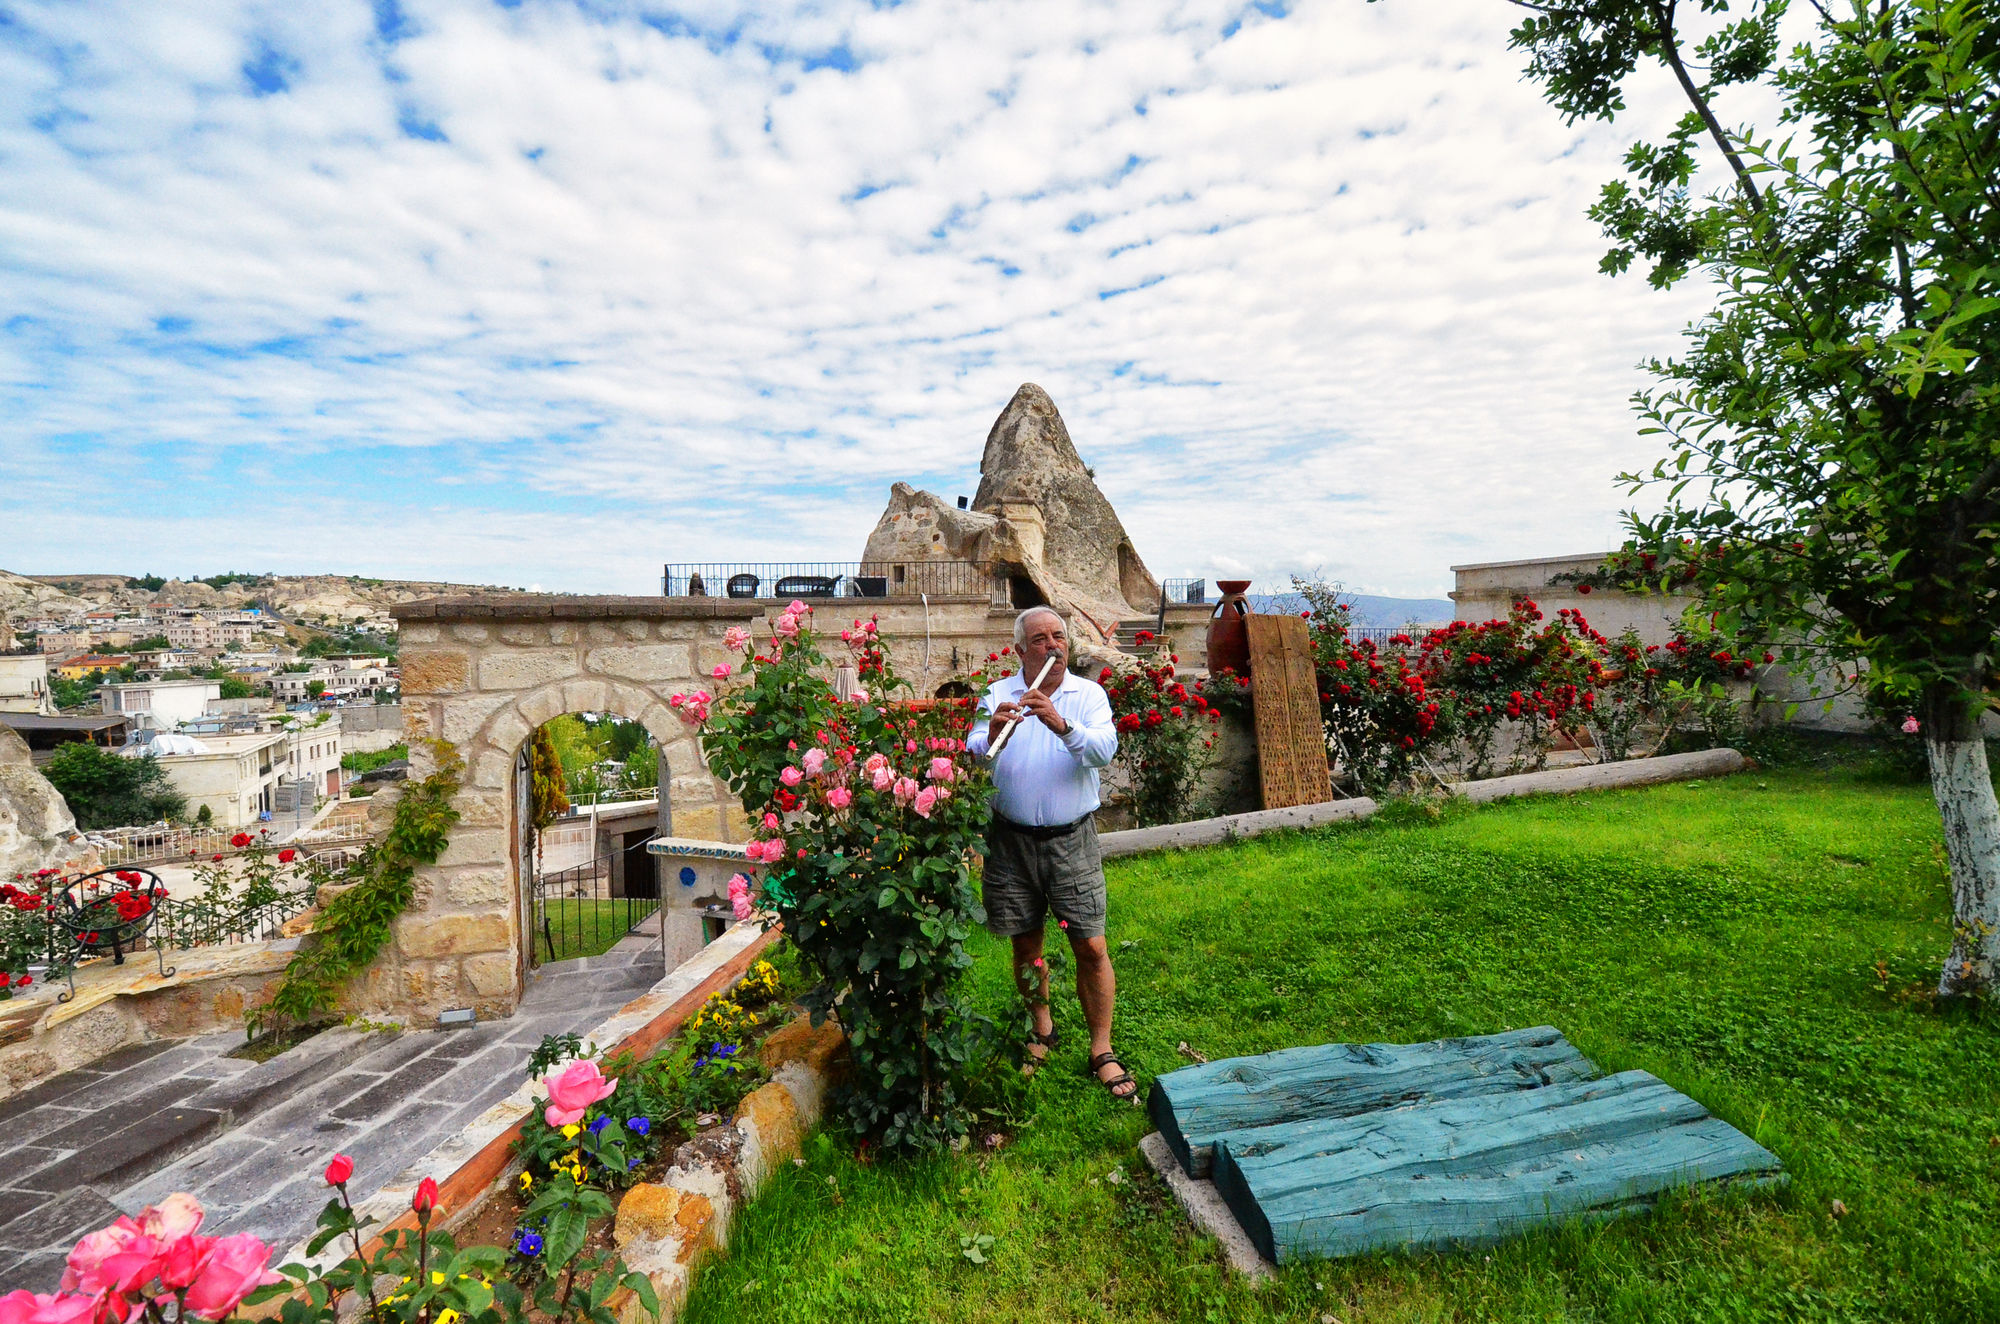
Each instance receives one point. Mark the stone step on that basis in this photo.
(1471, 1171)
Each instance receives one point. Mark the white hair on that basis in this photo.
(1021, 622)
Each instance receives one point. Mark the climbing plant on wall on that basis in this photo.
(355, 925)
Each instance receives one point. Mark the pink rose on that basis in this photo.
(234, 1267)
(874, 762)
(181, 1262)
(839, 798)
(786, 626)
(117, 1258)
(942, 794)
(735, 638)
(573, 1090)
(1911, 726)
(814, 760)
(25, 1307)
(771, 823)
(177, 1216)
(739, 897)
(942, 770)
(926, 801)
(791, 776)
(884, 776)
(909, 746)
(721, 671)
(797, 608)
(905, 789)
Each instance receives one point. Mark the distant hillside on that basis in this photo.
(319, 600)
(1368, 609)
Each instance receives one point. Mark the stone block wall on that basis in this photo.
(483, 674)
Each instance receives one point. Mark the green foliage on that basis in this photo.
(548, 800)
(355, 925)
(315, 688)
(151, 644)
(151, 583)
(232, 688)
(1166, 737)
(358, 762)
(871, 813)
(350, 641)
(104, 789)
(1723, 936)
(80, 693)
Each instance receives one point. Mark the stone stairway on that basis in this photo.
(1127, 637)
(250, 1140)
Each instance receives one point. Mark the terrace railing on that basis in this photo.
(124, 847)
(1184, 592)
(780, 581)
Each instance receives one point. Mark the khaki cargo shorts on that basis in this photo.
(1028, 877)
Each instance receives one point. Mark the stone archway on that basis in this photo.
(483, 673)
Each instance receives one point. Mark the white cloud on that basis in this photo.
(630, 308)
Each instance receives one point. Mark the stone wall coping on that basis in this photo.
(1554, 781)
(469, 1165)
(563, 607)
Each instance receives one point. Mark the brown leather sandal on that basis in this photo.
(1124, 1077)
(1049, 1043)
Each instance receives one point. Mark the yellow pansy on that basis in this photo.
(447, 1315)
(527, 1180)
(572, 1131)
(437, 1279)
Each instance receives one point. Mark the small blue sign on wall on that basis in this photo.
(687, 876)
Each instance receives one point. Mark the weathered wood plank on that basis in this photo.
(1469, 1171)
(1195, 1104)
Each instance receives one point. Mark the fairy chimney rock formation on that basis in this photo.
(35, 822)
(1038, 521)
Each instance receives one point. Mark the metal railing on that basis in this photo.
(1184, 592)
(782, 580)
(577, 915)
(121, 847)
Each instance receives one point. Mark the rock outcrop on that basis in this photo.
(35, 823)
(1039, 519)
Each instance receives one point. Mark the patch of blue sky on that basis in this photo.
(1000, 264)
(1145, 284)
(680, 27)
(1124, 169)
(1082, 221)
(1271, 9)
(866, 191)
(1366, 133)
(414, 125)
(269, 70)
(839, 57)
(391, 23)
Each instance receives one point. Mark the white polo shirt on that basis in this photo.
(1042, 779)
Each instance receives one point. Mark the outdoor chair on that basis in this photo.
(806, 586)
(743, 586)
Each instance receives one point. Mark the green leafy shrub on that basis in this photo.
(104, 789)
(867, 812)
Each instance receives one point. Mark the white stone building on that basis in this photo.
(160, 705)
(24, 684)
(242, 777)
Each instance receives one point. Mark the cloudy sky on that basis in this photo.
(549, 292)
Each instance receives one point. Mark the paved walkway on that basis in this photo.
(250, 1140)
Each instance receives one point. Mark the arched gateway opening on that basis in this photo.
(484, 674)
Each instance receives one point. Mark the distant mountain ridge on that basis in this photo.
(1368, 608)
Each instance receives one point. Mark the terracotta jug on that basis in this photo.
(1228, 634)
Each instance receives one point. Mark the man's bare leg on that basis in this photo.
(1097, 989)
(1031, 976)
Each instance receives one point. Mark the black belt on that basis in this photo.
(1041, 833)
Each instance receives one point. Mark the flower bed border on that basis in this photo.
(470, 1165)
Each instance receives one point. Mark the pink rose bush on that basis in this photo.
(572, 1091)
(867, 812)
(156, 1267)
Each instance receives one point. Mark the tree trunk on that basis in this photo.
(1963, 786)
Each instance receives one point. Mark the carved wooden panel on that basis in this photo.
(1291, 743)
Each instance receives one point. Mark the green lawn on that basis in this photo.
(584, 927)
(1724, 936)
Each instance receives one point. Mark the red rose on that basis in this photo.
(241, 839)
(1583, 588)
(215, 859)
(338, 1171)
(426, 1197)
(287, 855)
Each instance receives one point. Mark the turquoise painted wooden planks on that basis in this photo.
(1194, 1105)
(1473, 1170)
